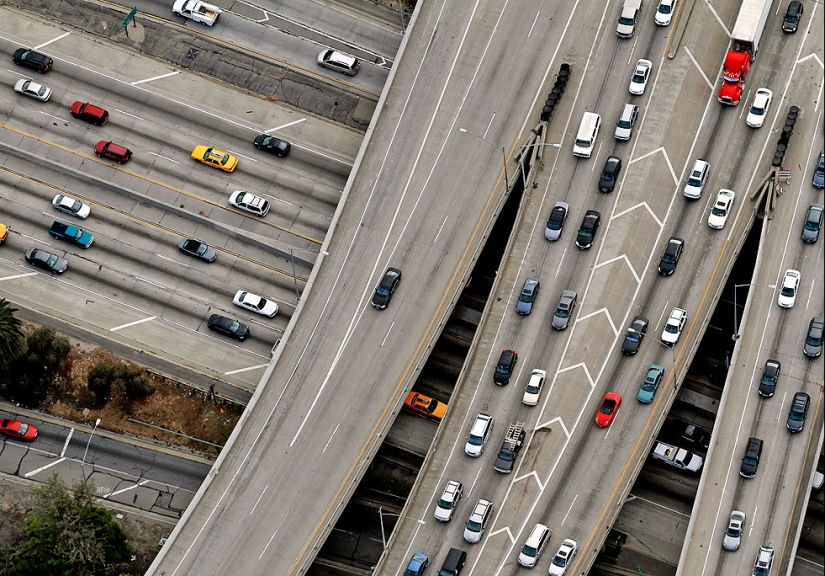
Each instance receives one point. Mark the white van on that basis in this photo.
(627, 20)
(536, 542)
(586, 138)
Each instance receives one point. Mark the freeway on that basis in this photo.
(132, 284)
(775, 500)
(571, 475)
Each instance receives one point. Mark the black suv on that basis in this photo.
(667, 265)
(751, 460)
(587, 232)
(799, 411)
(635, 334)
(33, 60)
(792, 17)
(386, 288)
(612, 167)
(504, 368)
(767, 386)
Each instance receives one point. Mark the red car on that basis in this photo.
(607, 410)
(17, 429)
(116, 152)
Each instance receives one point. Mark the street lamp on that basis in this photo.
(294, 277)
(89, 441)
(735, 306)
(381, 518)
(503, 153)
(521, 158)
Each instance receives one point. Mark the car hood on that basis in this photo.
(551, 234)
(644, 396)
(663, 19)
(560, 322)
(730, 543)
(523, 307)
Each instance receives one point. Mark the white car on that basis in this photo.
(563, 558)
(638, 82)
(759, 108)
(255, 303)
(33, 89)
(674, 326)
(790, 286)
(733, 535)
(721, 210)
(71, 206)
(534, 386)
(481, 515)
(249, 203)
(664, 13)
(449, 500)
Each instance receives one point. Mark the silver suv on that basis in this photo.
(697, 179)
(479, 434)
(482, 513)
(449, 500)
(624, 127)
(764, 561)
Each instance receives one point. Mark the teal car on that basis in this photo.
(651, 383)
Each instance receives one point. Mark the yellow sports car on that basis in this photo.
(215, 158)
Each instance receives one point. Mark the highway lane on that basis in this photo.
(134, 264)
(774, 501)
(641, 221)
(389, 220)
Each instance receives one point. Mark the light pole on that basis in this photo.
(89, 441)
(735, 306)
(294, 277)
(381, 519)
(521, 159)
(503, 153)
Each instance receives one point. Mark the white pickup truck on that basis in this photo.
(196, 10)
(677, 457)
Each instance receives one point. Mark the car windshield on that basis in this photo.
(473, 526)
(648, 384)
(814, 341)
(506, 454)
(383, 291)
(669, 257)
(532, 389)
(607, 407)
(529, 551)
(562, 313)
(445, 504)
(638, 77)
(554, 223)
(733, 532)
(474, 440)
(718, 211)
(626, 21)
(757, 110)
(694, 181)
(787, 291)
(235, 326)
(586, 232)
(51, 261)
(503, 369)
(560, 561)
(224, 159)
(583, 143)
(23, 429)
(812, 225)
(664, 9)
(433, 404)
(624, 124)
(261, 304)
(525, 297)
(672, 328)
(796, 415)
(633, 337)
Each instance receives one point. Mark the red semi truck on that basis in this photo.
(744, 44)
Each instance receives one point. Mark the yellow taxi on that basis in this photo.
(426, 406)
(4, 232)
(215, 158)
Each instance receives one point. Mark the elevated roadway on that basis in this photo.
(421, 199)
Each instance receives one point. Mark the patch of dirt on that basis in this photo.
(180, 410)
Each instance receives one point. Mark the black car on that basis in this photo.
(271, 144)
(506, 459)
(198, 249)
(43, 259)
(228, 326)
(612, 167)
(504, 368)
(813, 342)
(767, 387)
(635, 334)
(587, 232)
(753, 452)
(667, 265)
(386, 288)
(792, 17)
(33, 60)
(799, 411)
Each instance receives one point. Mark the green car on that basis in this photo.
(651, 383)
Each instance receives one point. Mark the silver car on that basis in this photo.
(733, 535)
(33, 90)
(567, 303)
(556, 221)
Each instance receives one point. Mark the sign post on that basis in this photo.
(130, 17)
